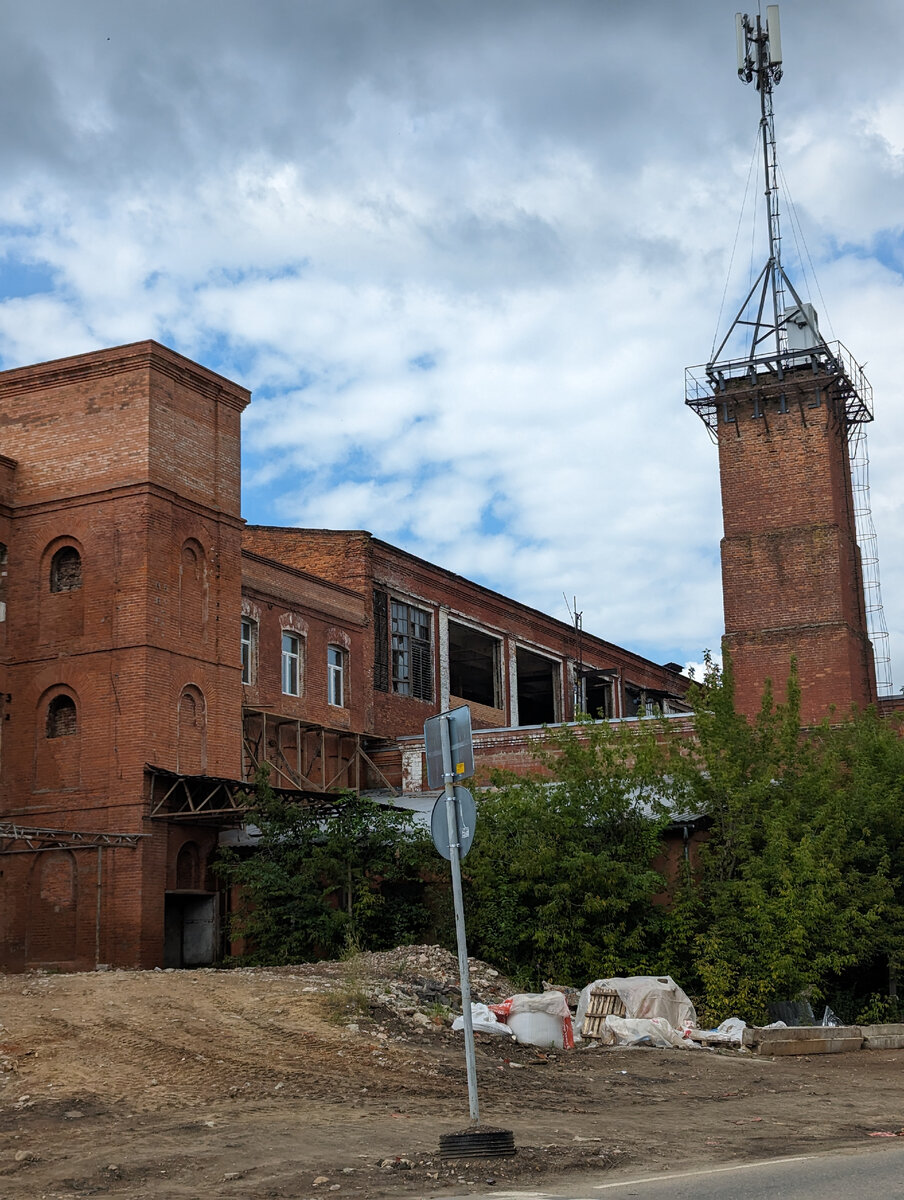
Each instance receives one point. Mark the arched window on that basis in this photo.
(191, 732)
(192, 592)
(66, 570)
(188, 868)
(61, 717)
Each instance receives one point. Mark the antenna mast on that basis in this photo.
(782, 338)
(760, 59)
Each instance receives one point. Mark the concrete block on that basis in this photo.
(806, 1039)
(883, 1037)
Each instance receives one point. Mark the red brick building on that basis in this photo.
(153, 652)
(122, 551)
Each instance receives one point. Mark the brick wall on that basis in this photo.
(790, 563)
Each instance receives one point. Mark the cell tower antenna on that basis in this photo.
(784, 332)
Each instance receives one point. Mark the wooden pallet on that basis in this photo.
(604, 1002)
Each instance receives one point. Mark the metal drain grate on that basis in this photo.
(480, 1143)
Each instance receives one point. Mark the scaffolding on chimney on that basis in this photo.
(858, 453)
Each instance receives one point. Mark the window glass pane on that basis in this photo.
(335, 676)
(291, 664)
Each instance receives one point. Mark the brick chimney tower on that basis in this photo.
(782, 414)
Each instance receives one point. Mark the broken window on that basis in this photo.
(598, 695)
(66, 570)
(537, 688)
(335, 676)
(61, 717)
(636, 702)
(412, 652)
(474, 659)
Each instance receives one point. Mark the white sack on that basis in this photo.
(482, 1021)
(553, 1004)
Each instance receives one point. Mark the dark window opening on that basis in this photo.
(635, 702)
(474, 666)
(61, 718)
(537, 688)
(412, 652)
(598, 697)
(66, 570)
(381, 641)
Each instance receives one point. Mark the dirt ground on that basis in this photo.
(252, 1083)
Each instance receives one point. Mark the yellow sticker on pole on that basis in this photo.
(459, 768)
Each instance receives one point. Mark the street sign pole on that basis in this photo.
(458, 901)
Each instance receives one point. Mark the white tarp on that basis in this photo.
(643, 996)
(654, 1031)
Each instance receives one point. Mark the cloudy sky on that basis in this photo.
(461, 251)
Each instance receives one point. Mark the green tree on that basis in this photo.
(322, 878)
(794, 887)
(560, 880)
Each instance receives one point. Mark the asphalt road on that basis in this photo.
(877, 1171)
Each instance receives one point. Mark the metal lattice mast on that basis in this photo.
(760, 59)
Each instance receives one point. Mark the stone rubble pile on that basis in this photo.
(418, 984)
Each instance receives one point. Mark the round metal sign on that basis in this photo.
(466, 814)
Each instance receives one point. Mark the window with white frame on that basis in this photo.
(291, 664)
(249, 649)
(335, 676)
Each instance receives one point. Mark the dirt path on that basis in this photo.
(238, 1084)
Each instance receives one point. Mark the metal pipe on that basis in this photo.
(100, 861)
(458, 901)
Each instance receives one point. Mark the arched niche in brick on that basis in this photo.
(52, 908)
(191, 740)
(188, 868)
(64, 581)
(58, 721)
(4, 579)
(193, 598)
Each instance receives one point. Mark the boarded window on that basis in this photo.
(61, 718)
(66, 570)
(381, 641)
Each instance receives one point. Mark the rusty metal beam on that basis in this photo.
(27, 839)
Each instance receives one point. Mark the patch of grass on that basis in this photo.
(349, 1000)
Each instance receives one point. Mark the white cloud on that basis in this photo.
(462, 253)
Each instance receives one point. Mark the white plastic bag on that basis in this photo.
(482, 1021)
